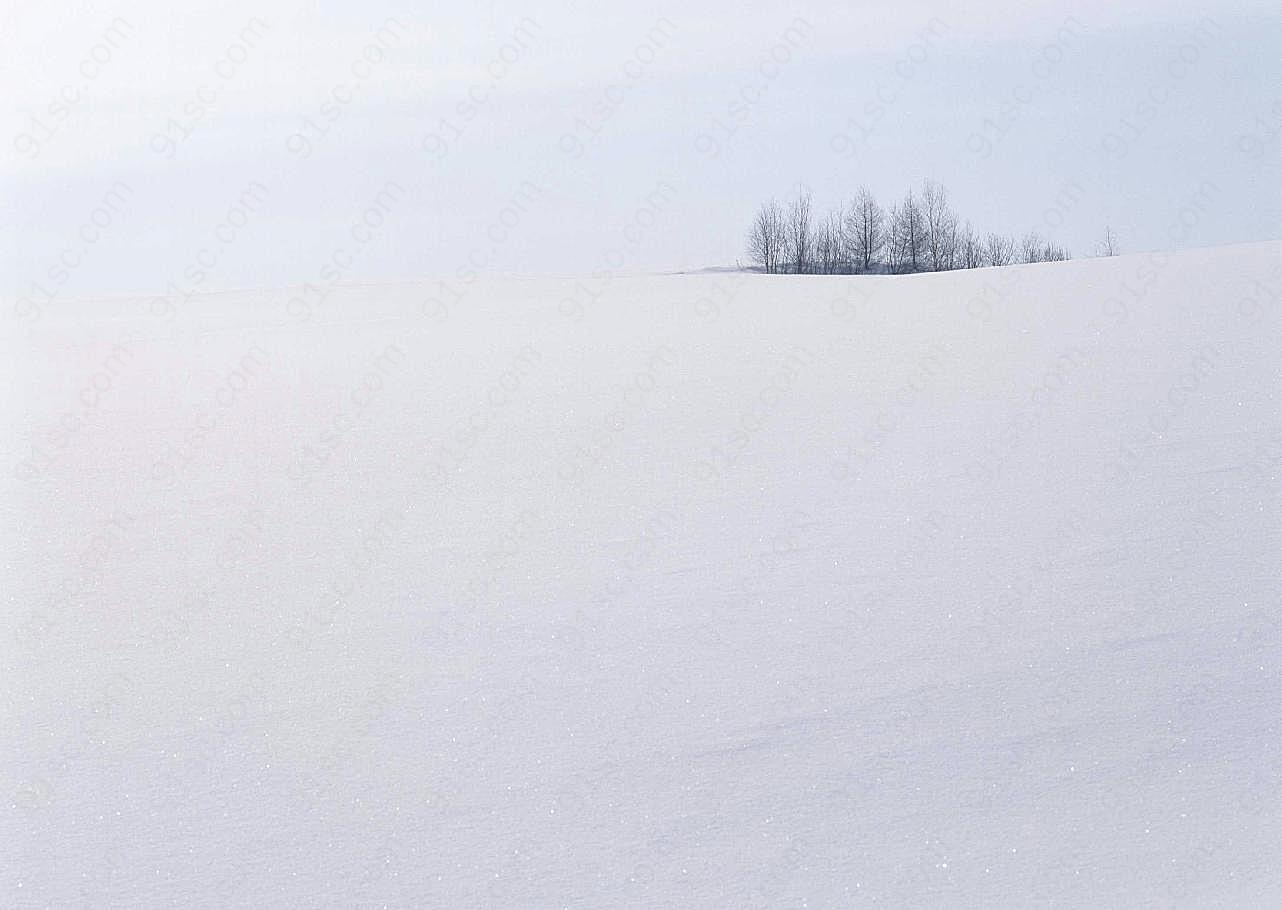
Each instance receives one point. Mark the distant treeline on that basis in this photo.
(921, 233)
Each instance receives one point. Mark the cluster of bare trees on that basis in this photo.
(921, 233)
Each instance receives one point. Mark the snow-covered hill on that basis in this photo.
(676, 591)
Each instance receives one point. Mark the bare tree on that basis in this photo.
(865, 230)
(940, 225)
(768, 237)
(950, 243)
(800, 232)
(1030, 248)
(1052, 253)
(921, 232)
(830, 244)
(893, 248)
(998, 249)
(1108, 246)
(970, 251)
(908, 235)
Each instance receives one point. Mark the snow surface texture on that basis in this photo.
(949, 590)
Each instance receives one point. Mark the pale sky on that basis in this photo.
(269, 144)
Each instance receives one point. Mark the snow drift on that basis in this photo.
(692, 590)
